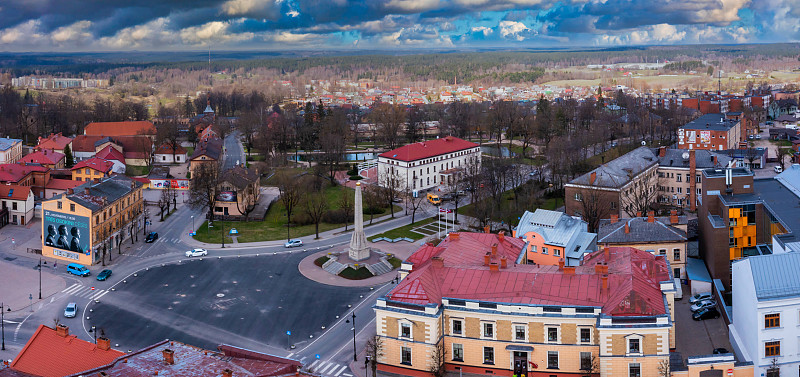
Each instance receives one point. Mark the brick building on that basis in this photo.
(710, 131)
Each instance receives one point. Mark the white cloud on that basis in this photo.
(412, 5)
(28, 31)
(257, 8)
(211, 32)
(513, 29)
(72, 33)
(154, 33)
(482, 29)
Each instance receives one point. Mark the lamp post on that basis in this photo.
(355, 356)
(40, 276)
(93, 331)
(192, 223)
(223, 231)
(2, 325)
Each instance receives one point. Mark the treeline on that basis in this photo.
(685, 66)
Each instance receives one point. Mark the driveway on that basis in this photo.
(697, 338)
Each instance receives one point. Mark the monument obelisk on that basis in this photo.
(358, 241)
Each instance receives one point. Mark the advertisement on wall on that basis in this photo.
(179, 184)
(692, 137)
(705, 137)
(67, 234)
(226, 196)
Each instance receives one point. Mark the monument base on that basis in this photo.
(377, 263)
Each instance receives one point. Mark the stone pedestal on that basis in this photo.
(359, 250)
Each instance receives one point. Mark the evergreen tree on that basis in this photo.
(69, 160)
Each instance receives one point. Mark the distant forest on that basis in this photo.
(440, 65)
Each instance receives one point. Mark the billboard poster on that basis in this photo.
(226, 196)
(692, 137)
(67, 232)
(705, 137)
(179, 184)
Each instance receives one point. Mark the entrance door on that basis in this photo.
(520, 363)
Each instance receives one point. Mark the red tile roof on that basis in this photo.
(110, 153)
(95, 163)
(426, 149)
(193, 361)
(48, 354)
(131, 128)
(17, 192)
(16, 172)
(44, 157)
(83, 143)
(633, 277)
(54, 141)
(62, 184)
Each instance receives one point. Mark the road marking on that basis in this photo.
(70, 287)
(312, 364)
(327, 367)
(340, 371)
(289, 355)
(97, 296)
(347, 375)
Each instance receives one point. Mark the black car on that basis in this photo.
(151, 237)
(705, 314)
(721, 351)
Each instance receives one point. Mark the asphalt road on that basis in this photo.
(234, 152)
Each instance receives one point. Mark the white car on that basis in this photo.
(700, 297)
(703, 304)
(293, 243)
(71, 310)
(196, 253)
(778, 169)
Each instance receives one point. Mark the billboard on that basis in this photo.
(179, 184)
(692, 138)
(226, 196)
(705, 137)
(66, 233)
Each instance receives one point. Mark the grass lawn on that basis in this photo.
(321, 260)
(274, 225)
(135, 171)
(405, 231)
(359, 274)
(551, 204)
(189, 151)
(395, 262)
(213, 234)
(781, 143)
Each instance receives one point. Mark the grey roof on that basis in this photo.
(6, 143)
(103, 141)
(559, 229)
(713, 122)
(790, 178)
(619, 171)
(776, 276)
(703, 158)
(103, 193)
(239, 177)
(718, 172)
(640, 231)
(781, 198)
(211, 148)
(745, 153)
(696, 270)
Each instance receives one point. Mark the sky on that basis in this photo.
(172, 25)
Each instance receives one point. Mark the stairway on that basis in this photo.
(381, 267)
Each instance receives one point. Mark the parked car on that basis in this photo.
(293, 243)
(705, 314)
(151, 237)
(76, 269)
(700, 297)
(703, 304)
(397, 200)
(196, 253)
(751, 137)
(103, 275)
(720, 351)
(778, 169)
(434, 199)
(447, 197)
(758, 137)
(71, 310)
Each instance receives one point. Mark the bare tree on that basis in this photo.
(438, 357)
(372, 198)
(389, 121)
(316, 203)
(346, 205)
(291, 191)
(167, 132)
(203, 187)
(374, 350)
(663, 368)
(595, 206)
(638, 197)
(389, 186)
(413, 203)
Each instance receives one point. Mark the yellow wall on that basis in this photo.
(82, 175)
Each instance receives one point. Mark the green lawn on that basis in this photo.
(189, 151)
(551, 204)
(781, 143)
(405, 231)
(135, 171)
(212, 234)
(274, 225)
(321, 260)
(359, 274)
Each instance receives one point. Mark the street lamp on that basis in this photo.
(2, 325)
(94, 330)
(192, 223)
(355, 357)
(40, 276)
(223, 231)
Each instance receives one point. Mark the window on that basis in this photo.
(613, 205)
(457, 327)
(552, 334)
(488, 330)
(772, 348)
(662, 251)
(676, 254)
(488, 355)
(586, 335)
(556, 252)
(552, 359)
(633, 346)
(86, 171)
(578, 197)
(458, 352)
(634, 370)
(59, 205)
(519, 332)
(405, 356)
(680, 190)
(586, 361)
(678, 178)
(14, 206)
(405, 330)
(72, 207)
(772, 320)
(544, 250)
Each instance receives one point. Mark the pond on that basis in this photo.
(494, 150)
(363, 156)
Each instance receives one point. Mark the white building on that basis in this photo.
(10, 150)
(766, 313)
(428, 164)
(16, 205)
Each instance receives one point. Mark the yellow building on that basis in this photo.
(89, 222)
(92, 169)
(465, 305)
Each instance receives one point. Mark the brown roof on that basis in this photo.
(95, 163)
(49, 353)
(239, 177)
(166, 148)
(62, 184)
(84, 143)
(54, 141)
(14, 192)
(132, 146)
(131, 128)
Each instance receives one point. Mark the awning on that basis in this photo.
(512, 347)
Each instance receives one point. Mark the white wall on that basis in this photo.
(427, 170)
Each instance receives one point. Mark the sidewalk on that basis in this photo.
(20, 283)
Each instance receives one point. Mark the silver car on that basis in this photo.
(703, 304)
(71, 310)
(700, 297)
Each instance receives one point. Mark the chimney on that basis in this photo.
(86, 190)
(604, 280)
(169, 356)
(437, 262)
(486, 229)
(103, 343)
(227, 373)
(673, 217)
(598, 268)
(607, 253)
(561, 264)
(638, 213)
(62, 330)
(503, 262)
(494, 249)
(569, 270)
(592, 178)
(501, 236)
(453, 236)
(614, 218)
(651, 216)
(714, 159)
(627, 227)
(487, 258)
(662, 151)
(494, 266)
(70, 191)
(692, 180)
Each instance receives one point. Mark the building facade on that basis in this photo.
(79, 225)
(711, 131)
(10, 150)
(428, 165)
(91, 170)
(237, 193)
(552, 236)
(464, 302)
(17, 204)
(679, 175)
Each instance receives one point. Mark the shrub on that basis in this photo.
(321, 260)
(300, 219)
(351, 274)
(336, 216)
(356, 177)
(373, 211)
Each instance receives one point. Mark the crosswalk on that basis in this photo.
(328, 368)
(78, 290)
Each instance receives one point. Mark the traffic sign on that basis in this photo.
(288, 332)
(316, 356)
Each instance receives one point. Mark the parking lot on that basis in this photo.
(695, 338)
